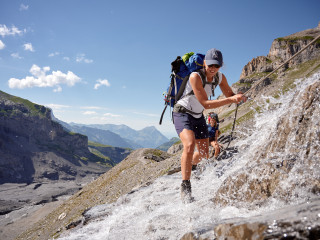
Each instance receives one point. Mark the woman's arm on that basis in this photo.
(225, 88)
(216, 135)
(202, 97)
(227, 91)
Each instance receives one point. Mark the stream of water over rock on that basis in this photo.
(274, 174)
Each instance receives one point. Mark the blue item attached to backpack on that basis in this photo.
(195, 62)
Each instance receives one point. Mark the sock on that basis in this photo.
(186, 182)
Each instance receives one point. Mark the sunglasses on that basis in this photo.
(214, 65)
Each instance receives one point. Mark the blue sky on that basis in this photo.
(109, 61)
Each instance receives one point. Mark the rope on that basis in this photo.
(234, 124)
(235, 115)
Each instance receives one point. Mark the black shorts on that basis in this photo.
(186, 121)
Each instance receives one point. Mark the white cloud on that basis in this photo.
(111, 115)
(23, 7)
(146, 114)
(28, 47)
(89, 113)
(2, 45)
(82, 58)
(58, 89)
(16, 55)
(92, 107)
(40, 79)
(54, 54)
(66, 58)
(100, 83)
(5, 31)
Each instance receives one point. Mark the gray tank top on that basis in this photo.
(190, 102)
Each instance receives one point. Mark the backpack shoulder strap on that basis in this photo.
(202, 76)
(219, 77)
(181, 89)
(203, 79)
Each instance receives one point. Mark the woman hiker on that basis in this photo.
(188, 116)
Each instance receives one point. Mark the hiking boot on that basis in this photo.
(186, 192)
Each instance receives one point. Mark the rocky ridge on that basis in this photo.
(34, 148)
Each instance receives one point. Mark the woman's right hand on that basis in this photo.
(238, 98)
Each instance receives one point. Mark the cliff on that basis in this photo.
(281, 49)
(33, 148)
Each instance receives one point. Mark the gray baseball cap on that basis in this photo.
(214, 56)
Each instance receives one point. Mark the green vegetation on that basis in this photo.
(227, 114)
(269, 60)
(249, 115)
(95, 144)
(100, 145)
(103, 160)
(4, 113)
(293, 40)
(73, 133)
(303, 70)
(155, 152)
(245, 84)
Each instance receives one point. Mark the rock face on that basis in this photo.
(281, 49)
(35, 148)
(258, 64)
(284, 48)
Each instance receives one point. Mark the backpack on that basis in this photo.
(181, 68)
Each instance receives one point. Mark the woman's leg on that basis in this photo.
(216, 147)
(217, 150)
(188, 141)
(203, 150)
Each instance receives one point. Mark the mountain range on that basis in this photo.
(119, 135)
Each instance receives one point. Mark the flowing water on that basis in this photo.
(156, 211)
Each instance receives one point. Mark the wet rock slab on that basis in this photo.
(295, 222)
